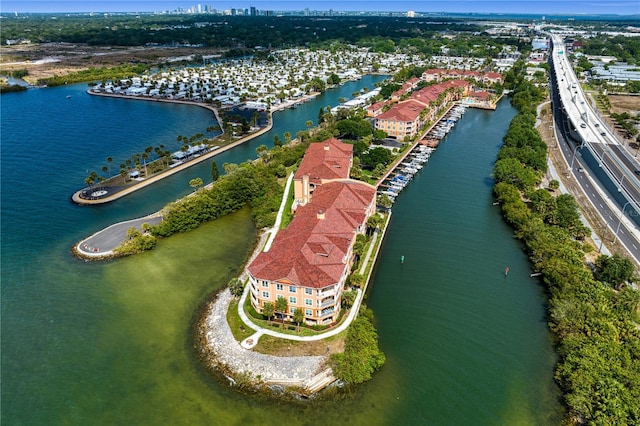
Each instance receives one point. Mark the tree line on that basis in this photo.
(592, 311)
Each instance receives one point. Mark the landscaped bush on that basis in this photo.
(361, 356)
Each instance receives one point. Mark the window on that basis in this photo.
(292, 289)
(265, 283)
(293, 299)
(292, 310)
(308, 302)
(265, 294)
(308, 291)
(279, 287)
(308, 312)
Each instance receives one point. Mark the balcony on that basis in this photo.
(330, 301)
(326, 312)
(329, 292)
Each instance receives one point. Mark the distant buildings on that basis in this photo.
(409, 109)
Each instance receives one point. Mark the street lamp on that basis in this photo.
(574, 155)
(620, 218)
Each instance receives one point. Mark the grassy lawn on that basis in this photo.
(287, 215)
(378, 242)
(238, 328)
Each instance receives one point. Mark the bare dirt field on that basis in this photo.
(625, 103)
(49, 59)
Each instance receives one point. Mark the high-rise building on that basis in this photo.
(253, 11)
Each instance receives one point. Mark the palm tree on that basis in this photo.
(268, 310)
(145, 157)
(109, 160)
(281, 306)
(298, 317)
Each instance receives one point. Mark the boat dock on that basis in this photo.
(401, 173)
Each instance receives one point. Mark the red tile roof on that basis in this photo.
(405, 111)
(310, 251)
(493, 75)
(483, 96)
(321, 163)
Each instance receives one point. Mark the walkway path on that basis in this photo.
(102, 243)
(276, 226)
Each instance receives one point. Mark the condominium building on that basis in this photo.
(310, 260)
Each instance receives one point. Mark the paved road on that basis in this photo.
(588, 128)
(607, 207)
(103, 242)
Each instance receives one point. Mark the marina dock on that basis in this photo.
(397, 178)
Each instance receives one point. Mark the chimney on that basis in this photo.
(326, 147)
(305, 189)
(320, 214)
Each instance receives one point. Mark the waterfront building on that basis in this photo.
(402, 120)
(323, 162)
(407, 117)
(309, 261)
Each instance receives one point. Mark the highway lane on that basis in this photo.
(589, 126)
(570, 146)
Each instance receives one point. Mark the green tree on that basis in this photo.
(384, 201)
(281, 306)
(262, 151)
(348, 298)
(359, 245)
(512, 171)
(268, 309)
(375, 156)
(375, 221)
(236, 287)
(378, 171)
(195, 183)
(215, 172)
(361, 356)
(379, 134)
(614, 270)
(298, 317)
(356, 280)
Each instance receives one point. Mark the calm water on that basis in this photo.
(110, 343)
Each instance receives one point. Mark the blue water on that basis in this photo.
(106, 343)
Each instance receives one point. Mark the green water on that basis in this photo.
(112, 343)
(465, 344)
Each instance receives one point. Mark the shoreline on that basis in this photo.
(166, 173)
(293, 376)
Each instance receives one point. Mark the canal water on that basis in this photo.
(111, 342)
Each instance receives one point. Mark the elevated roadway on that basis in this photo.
(612, 185)
(588, 129)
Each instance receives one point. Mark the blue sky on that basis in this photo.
(545, 7)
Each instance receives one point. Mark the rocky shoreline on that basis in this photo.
(245, 368)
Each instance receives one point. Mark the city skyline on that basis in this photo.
(576, 8)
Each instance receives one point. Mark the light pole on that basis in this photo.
(615, 238)
(604, 233)
(574, 155)
(602, 164)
